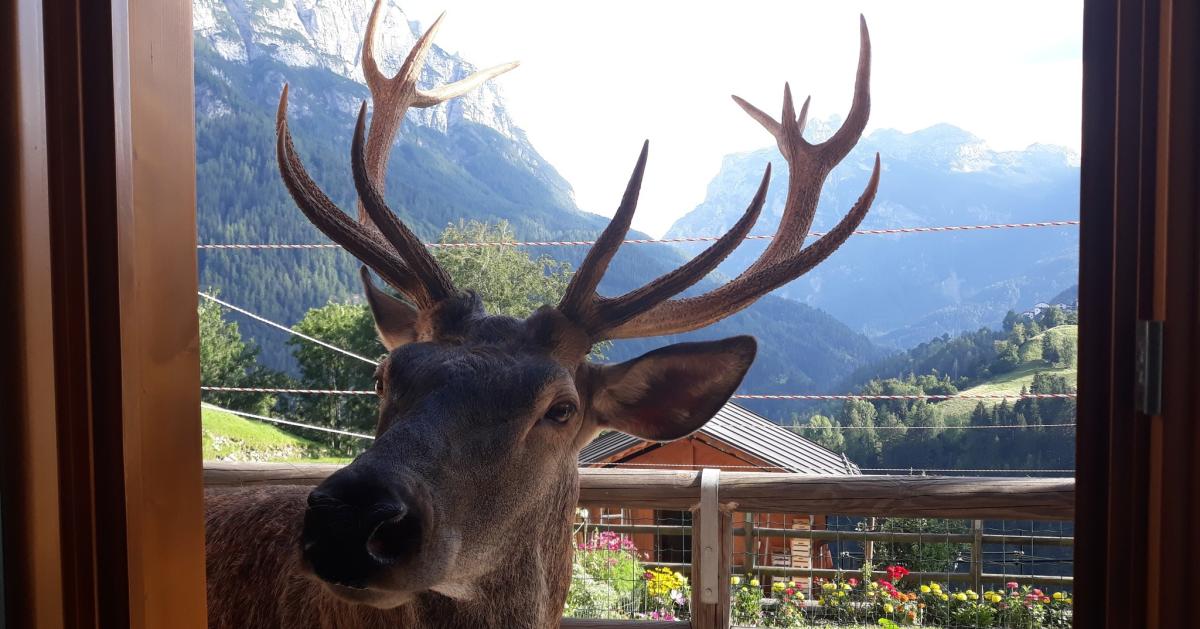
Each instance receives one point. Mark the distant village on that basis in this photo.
(1040, 307)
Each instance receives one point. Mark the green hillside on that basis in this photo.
(1014, 381)
(228, 437)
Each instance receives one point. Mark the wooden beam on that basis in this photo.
(908, 496)
(221, 474)
(590, 623)
(850, 536)
(713, 615)
(33, 575)
(156, 272)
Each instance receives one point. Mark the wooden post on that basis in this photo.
(750, 551)
(869, 546)
(712, 543)
(976, 554)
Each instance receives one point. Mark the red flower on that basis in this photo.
(895, 573)
(853, 582)
(790, 591)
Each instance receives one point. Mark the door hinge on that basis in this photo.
(1148, 394)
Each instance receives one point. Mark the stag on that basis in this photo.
(460, 512)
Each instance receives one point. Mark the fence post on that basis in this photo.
(977, 554)
(750, 557)
(869, 545)
(712, 541)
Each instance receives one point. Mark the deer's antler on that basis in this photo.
(379, 239)
(392, 97)
(649, 312)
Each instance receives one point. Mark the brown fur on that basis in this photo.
(255, 577)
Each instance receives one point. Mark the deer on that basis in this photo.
(460, 513)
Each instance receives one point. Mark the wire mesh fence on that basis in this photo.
(631, 564)
(834, 571)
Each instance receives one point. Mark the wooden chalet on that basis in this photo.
(735, 440)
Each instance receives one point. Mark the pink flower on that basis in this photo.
(853, 582)
(1012, 585)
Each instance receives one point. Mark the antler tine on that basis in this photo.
(615, 311)
(784, 259)
(434, 281)
(331, 220)
(682, 315)
(579, 300)
(392, 97)
(844, 139)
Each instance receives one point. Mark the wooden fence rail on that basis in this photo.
(847, 536)
(961, 498)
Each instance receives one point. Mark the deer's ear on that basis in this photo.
(395, 320)
(672, 391)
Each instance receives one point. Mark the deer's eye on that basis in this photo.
(560, 413)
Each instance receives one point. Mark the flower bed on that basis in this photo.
(610, 581)
(849, 601)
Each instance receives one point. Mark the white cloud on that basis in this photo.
(598, 78)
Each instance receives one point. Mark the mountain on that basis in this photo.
(904, 289)
(466, 159)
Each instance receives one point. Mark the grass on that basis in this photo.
(228, 437)
(1012, 382)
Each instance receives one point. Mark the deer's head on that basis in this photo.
(481, 418)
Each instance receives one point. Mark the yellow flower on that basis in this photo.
(960, 596)
(935, 587)
(828, 586)
(777, 586)
(1068, 601)
(754, 583)
(845, 586)
(791, 584)
(887, 608)
(1058, 596)
(945, 597)
(735, 580)
(841, 595)
(925, 589)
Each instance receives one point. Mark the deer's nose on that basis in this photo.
(354, 528)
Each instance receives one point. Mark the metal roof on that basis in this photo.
(744, 431)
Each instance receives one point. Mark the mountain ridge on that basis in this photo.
(936, 283)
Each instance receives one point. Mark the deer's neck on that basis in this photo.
(254, 578)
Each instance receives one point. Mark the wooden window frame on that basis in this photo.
(102, 492)
(100, 470)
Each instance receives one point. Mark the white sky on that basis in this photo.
(599, 77)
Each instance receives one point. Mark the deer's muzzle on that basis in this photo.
(356, 528)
